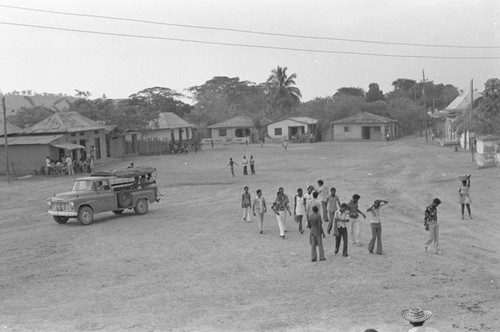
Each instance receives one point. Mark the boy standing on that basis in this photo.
(231, 164)
(354, 213)
(332, 204)
(246, 204)
(315, 224)
(300, 209)
(244, 163)
(376, 226)
(260, 203)
(431, 225)
(323, 196)
(341, 217)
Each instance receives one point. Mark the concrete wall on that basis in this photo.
(116, 146)
(88, 137)
(167, 134)
(26, 158)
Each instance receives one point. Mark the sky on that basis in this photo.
(339, 51)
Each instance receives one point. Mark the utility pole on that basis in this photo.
(425, 107)
(6, 146)
(471, 141)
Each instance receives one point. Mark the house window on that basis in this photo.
(377, 129)
(222, 132)
(96, 132)
(82, 133)
(346, 129)
(73, 134)
(278, 132)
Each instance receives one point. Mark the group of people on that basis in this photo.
(64, 165)
(245, 162)
(313, 208)
(317, 206)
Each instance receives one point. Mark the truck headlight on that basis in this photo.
(71, 205)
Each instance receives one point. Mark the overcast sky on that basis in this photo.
(48, 60)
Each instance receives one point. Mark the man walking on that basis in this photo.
(231, 165)
(260, 203)
(279, 207)
(246, 204)
(323, 197)
(341, 218)
(432, 226)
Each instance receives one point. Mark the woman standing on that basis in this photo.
(464, 193)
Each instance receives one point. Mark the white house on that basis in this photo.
(170, 127)
(299, 129)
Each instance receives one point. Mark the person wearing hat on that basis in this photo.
(376, 226)
(432, 226)
(417, 317)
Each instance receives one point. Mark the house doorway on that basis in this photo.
(365, 132)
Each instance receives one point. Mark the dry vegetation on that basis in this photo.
(191, 264)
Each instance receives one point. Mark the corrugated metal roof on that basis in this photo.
(169, 120)
(64, 122)
(301, 119)
(31, 140)
(235, 122)
(462, 101)
(11, 129)
(364, 117)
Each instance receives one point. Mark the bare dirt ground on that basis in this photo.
(192, 264)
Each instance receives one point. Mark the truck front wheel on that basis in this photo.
(85, 216)
(141, 207)
(60, 219)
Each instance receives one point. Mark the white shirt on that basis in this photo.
(341, 216)
(300, 208)
(423, 329)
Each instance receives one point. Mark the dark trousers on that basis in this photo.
(317, 241)
(376, 236)
(343, 235)
(252, 168)
(245, 172)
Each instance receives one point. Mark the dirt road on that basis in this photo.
(192, 264)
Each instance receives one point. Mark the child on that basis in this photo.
(376, 226)
(244, 163)
(464, 193)
(260, 203)
(354, 213)
(431, 225)
(315, 224)
(246, 204)
(332, 204)
(300, 208)
(231, 164)
(341, 217)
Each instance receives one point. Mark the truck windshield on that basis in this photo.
(83, 185)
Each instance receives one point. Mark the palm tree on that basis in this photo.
(283, 94)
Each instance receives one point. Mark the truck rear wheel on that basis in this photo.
(141, 206)
(60, 219)
(124, 198)
(85, 216)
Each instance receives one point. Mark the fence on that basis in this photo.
(156, 146)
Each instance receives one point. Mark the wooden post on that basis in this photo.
(6, 146)
(471, 145)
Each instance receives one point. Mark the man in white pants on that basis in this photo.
(279, 208)
(354, 213)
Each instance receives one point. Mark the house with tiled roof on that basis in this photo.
(235, 130)
(363, 126)
(170, 127)
(294, 129)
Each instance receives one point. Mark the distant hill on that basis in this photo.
(57, 102)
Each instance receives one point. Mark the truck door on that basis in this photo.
(106, 198)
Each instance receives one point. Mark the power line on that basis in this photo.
(249, 31)
(250, 46)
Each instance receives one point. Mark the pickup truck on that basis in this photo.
(116, 191)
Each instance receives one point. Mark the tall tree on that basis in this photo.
(160, 99)
(374, 93)
(284, 95)
(350, 91)
(28, 116)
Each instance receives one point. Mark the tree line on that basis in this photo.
(221, 98)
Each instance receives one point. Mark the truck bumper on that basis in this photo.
(63, 213)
